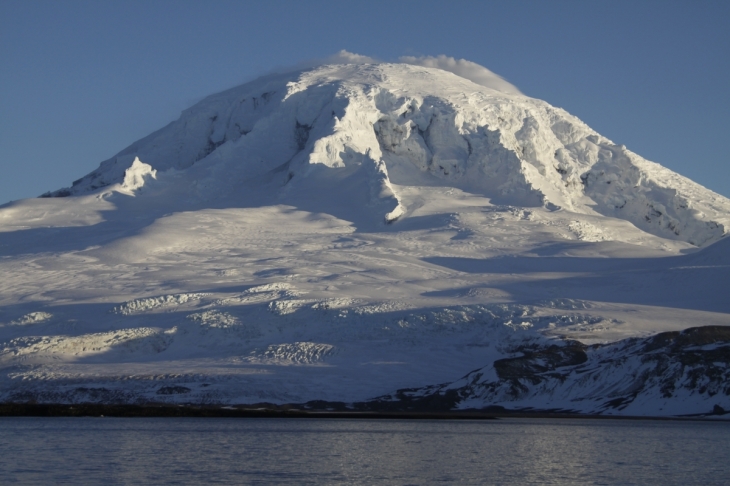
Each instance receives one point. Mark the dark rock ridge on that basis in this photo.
(633, 375)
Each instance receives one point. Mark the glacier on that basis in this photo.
(377, 234)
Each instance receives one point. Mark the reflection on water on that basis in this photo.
(301, 451)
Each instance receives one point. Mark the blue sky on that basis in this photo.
(81, 80)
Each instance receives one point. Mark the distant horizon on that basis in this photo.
(84, 80)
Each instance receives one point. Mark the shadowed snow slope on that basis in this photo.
(350, 230)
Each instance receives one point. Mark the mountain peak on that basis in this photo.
(382, 125)
(369, 233)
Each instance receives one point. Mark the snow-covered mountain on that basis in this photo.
(396, 124)
(349, 230)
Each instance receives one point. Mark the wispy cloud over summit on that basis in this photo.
(461, 67)
(466, 69)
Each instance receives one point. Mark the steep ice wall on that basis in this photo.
(369, 118)
(524, 152)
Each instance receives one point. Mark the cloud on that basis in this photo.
(342, 57)
(466, 69)
(461, 67)
(346, 57)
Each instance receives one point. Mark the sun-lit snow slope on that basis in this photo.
(392, 123)
(242, 255)
(130, 301)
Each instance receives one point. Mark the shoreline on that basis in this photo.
(244, 411)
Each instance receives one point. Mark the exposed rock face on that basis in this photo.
(633, 376)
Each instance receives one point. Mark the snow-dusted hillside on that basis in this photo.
(346, 231)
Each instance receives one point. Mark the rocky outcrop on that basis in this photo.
(635, 376)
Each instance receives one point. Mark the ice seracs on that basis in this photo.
(136, 175)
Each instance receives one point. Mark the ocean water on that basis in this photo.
(113, 451)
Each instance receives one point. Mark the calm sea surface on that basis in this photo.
(299, 451)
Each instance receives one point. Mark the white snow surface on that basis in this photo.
(344, 231)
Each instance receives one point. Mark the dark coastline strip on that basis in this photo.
(160, 411)
(98, 410)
